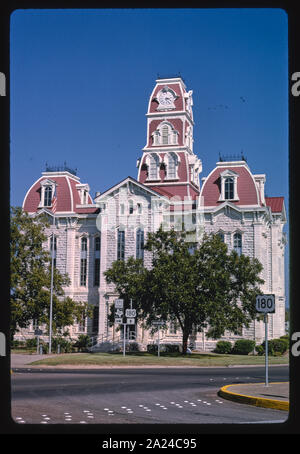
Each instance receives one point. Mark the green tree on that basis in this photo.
(31, 277)
(202, 286)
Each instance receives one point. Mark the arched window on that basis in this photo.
(165, 135)
(153, 167)
(221, 236)
(121, 245)
(83, 261)
(97, 246)
(172, 162)
(229, 188)
(48, 196)
(140, 244)
(237, 243)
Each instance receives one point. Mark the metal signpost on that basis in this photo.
(158, 323)
(266, 305)
(38, 332)
(130, 315)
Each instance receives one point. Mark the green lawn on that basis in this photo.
(146, 359)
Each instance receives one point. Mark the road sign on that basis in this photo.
(130, 313)
(118, 320)
(38, 332)
(265, 303)
(130, 321)
(158, 323)
(119, 304)
(119, 312)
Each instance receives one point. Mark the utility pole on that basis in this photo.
(54, 203)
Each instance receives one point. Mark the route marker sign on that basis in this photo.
(131, 313)
(118, 320)
(265, 303)
(119, 304)
(130, 321)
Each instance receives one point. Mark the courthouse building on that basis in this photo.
(91, 233)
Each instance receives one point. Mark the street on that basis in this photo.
(138, 396)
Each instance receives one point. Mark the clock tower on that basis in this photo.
(169, 165)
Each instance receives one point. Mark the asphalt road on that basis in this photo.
(138, 396)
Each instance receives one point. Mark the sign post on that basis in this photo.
(38, 333)
(130, 315)
(158, 323)
(266, 305)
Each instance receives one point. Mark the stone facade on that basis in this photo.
(92, 234)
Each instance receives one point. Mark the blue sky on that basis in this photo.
(81, 81)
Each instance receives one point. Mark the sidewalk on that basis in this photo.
(275, 395)
(22, 360)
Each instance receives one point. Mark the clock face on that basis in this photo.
(166, 98)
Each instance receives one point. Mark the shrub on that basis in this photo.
(223, 347)
(132, 347)
(260, 350)
(65, 345)
(83, 342)
(243, 346)
(276, 347)
(163, 348)
(17, 343)
(31, 343)
(172, 348)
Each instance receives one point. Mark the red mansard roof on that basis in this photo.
(275, 203)
(246, 188)
(66, 193)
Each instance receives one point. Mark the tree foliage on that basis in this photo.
(202, 286)
(30, 274)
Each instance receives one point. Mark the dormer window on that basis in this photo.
(47, 193)
(228, 186)
(83, 191)
(48, 196)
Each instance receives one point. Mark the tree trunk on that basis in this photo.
(185, 338)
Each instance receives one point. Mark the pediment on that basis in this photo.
(229, 173)
(130, 185)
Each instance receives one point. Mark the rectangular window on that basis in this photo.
(121, 245)
(237, 243)
(95, 319)
(83, 268)
(81, 325)
(173, 328)
(229, 189)
(48, 196)
(140, 244)
(97, 272)
(152, 169)
(97, 246)
(165, 135)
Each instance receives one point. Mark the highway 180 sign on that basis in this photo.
(265, 303)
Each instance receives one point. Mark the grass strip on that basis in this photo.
(146, 359)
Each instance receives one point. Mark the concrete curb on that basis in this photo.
(226, 393)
